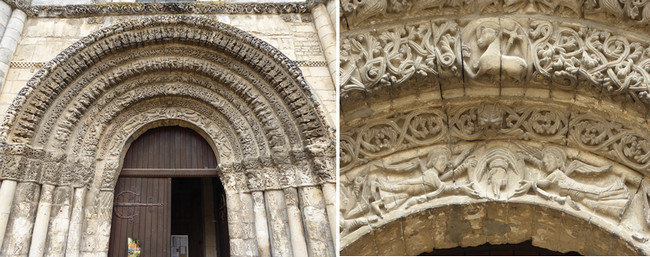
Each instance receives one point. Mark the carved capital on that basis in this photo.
(233, 177)
(13, 159)
(52, 166)
(33, 165)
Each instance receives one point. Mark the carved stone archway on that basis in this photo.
(66, 133)
(511, 104)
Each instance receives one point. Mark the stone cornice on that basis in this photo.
(87, 10)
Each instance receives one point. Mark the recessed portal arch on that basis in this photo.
(169, 185)
(75, 118)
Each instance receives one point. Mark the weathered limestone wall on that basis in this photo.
(293, 34)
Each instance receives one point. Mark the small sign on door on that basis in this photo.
(133, 247)
(179, 246)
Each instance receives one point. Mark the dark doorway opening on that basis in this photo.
(198, 211)
(169, 186)
(522, 249)
(187, 213)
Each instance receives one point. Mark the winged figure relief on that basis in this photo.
(558, 185)
(426, 178)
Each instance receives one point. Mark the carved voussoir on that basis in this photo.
(494, 53)
(611, 139)
(494, 171)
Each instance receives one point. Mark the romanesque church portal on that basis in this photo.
(210, 120)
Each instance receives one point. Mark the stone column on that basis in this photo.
(331, 9)
(329, 195)
(261, 226)
(7, 191)
(241, 228)
(21, 222)
(298, 243)
(10, 40)
(276, 212)
(57, 233)
(5, 13)
(76, 223)
(327, 36)
(97, 222)
(42, 220)
(319, 237)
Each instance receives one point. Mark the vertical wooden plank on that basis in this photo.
(177, 163)
(193, 152)
(169, 144)
(200, 155)
(149, 220)
(168, 217)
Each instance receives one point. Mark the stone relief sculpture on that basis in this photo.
(495, 48)
(556, 183)
(502, 50)
(383, 188)
(494, 171)
(541, 122)
(437, 165)
(360, 11)
(497, 173)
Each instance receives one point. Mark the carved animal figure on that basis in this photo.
(492, 61)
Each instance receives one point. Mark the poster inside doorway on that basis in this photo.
(179, 246)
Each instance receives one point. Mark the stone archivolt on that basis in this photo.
(108, 9)
(380, 192)
(542, 122)
(497, 52)
(74, 120)
(359, 13)
(407, 162)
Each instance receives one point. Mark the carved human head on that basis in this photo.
(553, 158)
(438, 158)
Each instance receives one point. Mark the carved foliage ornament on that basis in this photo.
(536, 51)
(386, 136)
(358, 12)
(218, 7)
(370, 61)
(542, 123)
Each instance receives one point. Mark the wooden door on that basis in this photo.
(143, 195)
(141, 210)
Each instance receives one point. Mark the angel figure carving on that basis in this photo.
(356, 204)
(417, 189)
(558, 186)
